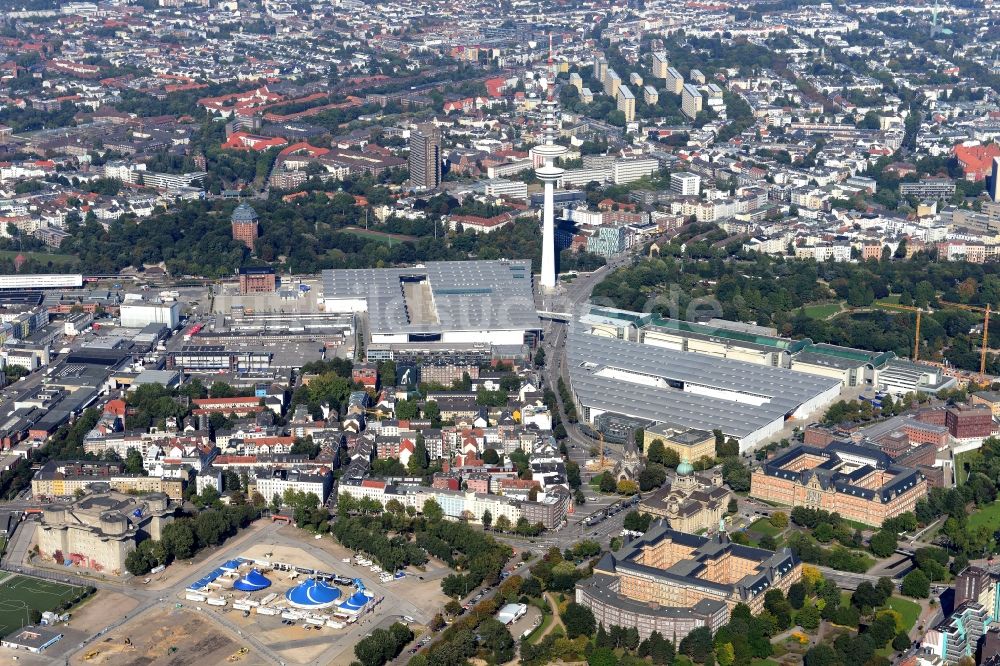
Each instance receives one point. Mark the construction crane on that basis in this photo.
(916, 335)
(986, 331)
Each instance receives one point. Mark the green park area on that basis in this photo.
(763, 527)
(20, 595)
(909, 610)
(822, 310)
(988, 516)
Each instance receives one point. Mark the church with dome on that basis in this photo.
(689, 502)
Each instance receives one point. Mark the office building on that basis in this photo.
(861, 483)
(489, 302)
(213, 358)
(690, 101)
(257, 280)
(425, 157)
(969, 422)
(660, 65)
(688, 443)
(245, 225)
(673, 582)
(98, 530)
(685, 183)
(626, 103)
(674, 81)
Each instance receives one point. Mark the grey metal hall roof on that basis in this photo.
(782, 391)
(441, 296)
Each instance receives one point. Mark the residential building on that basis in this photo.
(691, 101)
(626, 103)
(660, 64)
(674, 81)
(425, 157)
(271, 481)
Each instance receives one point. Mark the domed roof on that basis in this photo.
(244, 213)
(252, 582)
(312, 593)
(357, 601)
(685, 468)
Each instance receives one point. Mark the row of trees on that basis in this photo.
(383, 645)
(185, 536)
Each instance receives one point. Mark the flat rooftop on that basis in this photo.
(440, 296)
(647, 382)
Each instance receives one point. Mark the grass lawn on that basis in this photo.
(910, 610)
(988, 516)
(763, 526)
(42, 257)
(381, 236)
(21, 594)
(960, 460)
(891, 298)
(822, 310)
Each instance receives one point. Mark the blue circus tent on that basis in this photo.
(312, 593)
(252, 582)
(357, 601)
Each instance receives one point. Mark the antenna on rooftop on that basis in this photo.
(552, 71)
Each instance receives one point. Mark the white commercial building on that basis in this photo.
(138, 314)
(685, 183)
(42, 281)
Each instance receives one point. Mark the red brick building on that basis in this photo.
(861, 483)
(257, 280)
(967, 422)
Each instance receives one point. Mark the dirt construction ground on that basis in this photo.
(168, 637)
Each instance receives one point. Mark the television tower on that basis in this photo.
(549, 173)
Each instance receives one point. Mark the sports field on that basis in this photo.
(19, 595)
(381, 236)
